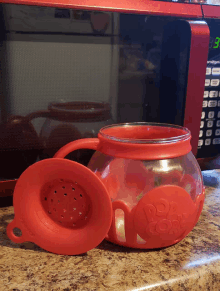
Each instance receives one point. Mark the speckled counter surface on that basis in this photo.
(192, 264)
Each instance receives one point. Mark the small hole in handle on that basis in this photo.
(81, 195)
(73, 189)
(65, 194)
(17, 232)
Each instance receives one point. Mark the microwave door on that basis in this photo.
(182, 76)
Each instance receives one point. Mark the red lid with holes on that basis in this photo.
(61, 206)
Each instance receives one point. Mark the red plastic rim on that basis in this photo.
(144, 141)
(61, 206)
(145, 132)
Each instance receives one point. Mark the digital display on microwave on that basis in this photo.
(216, 43)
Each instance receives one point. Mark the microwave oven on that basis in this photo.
(152, 61)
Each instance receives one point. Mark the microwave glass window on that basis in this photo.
(136, 66)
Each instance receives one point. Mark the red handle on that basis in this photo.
(85, 143)
(196, 79)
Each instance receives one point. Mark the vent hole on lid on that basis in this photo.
(74, 198)
(17, 232)
(65, 194)
(55, 192)
(45, 198)
(73, 189)
(80, 213)
(74, 209)
(80, 195)
(63, 187)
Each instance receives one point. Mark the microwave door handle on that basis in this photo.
(198, 56)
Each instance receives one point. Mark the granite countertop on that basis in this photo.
(192, 264)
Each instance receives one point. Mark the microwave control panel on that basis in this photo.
(209, 134)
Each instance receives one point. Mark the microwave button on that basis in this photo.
(212, 103)
(213, 94)
(217, 132)
(200, 143)
(200, 133)
(207, 82)
(203, 114)
(201, 124)
(208, 71)
(216, 71)
(211, 114)
(208, 141)
(214, 82)
(204, 104)
(206, 94)
(208, 132)
(210, 123)
(216, 141)
(218, 123)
